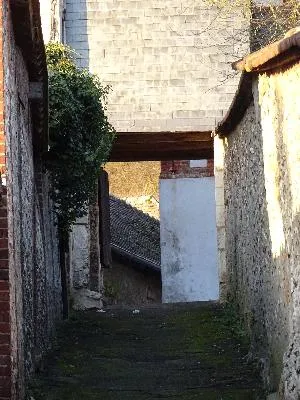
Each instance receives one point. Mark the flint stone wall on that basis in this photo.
(262, 200)
(34, 272)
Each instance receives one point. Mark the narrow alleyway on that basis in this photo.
(190, 352)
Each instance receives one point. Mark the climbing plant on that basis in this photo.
(80, 134)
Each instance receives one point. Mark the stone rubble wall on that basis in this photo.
(166, 61)
(125, 285)
(34, 271)
(262, 200)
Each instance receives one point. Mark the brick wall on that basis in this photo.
(262, 203)
(165, 61)
(187, 169)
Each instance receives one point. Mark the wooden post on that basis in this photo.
(63, 249)
(104, 220)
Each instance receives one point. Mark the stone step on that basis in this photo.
(172, 351)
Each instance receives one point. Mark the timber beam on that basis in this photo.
(161, 146)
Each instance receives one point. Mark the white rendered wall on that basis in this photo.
(45, 9)
(82, 296)
(188, 240)
(51, 18)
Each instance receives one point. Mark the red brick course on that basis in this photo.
(182, 169)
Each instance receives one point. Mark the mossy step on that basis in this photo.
(178, 352)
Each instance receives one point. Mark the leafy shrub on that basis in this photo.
(80, 134)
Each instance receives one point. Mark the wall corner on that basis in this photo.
(219, 153)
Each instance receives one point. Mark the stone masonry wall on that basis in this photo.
(34, 271)
(5, 322)
(166, 61)
(262, 198)
(124, 285)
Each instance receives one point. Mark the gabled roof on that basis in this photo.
(134, 235)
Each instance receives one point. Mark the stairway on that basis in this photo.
(184, 351)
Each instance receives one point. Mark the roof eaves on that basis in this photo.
(274, 55)
(238, 107)
(134, 260)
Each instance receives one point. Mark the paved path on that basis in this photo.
(178, 352)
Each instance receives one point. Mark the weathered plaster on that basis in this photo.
(188, 240)
(80, 262)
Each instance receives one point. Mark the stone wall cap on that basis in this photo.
(277, 54)
(238, 107)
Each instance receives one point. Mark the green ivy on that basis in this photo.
(80, 134)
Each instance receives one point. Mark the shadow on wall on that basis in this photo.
(249, 247)
(126, 285)
(263, 227)
(76, 29)
(238, 191)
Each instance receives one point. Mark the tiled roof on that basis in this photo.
(134, 232)
(276, 54)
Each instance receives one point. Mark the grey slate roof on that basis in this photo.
(134, 232)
